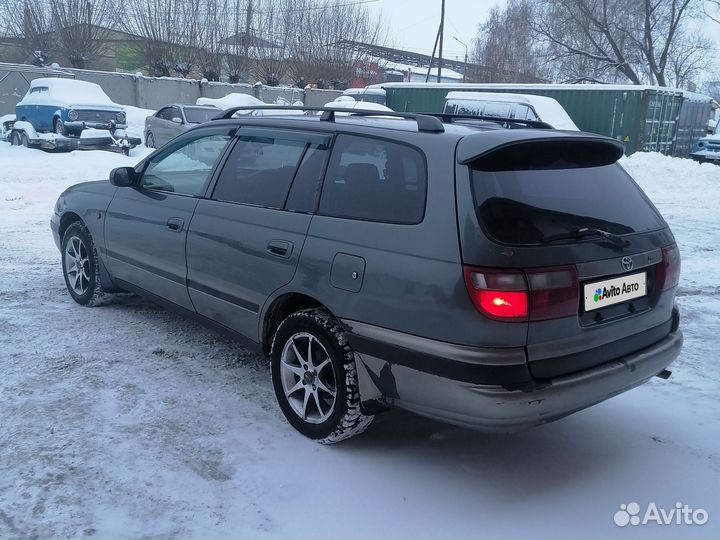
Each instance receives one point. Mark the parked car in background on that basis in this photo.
(502, 105)
(67, 107)
(348, 103)
(707, 148)
(463, 271)
(172, 120)
(370, 95)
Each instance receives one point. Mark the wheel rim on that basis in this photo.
(308, 378)
(77, 265)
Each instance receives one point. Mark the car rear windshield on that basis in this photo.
(198, 115)
(520, 207)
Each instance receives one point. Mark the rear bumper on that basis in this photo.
(503, 407)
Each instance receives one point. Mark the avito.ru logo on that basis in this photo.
(681, 514)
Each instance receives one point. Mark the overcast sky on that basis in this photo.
(413, 23)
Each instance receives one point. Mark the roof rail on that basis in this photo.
(506, 122)
(425, 122)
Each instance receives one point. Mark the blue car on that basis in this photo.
(707, 148)
(67, 107)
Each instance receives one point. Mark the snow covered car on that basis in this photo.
(368, 95)
(504, 105)
(707, 148)
(65, 114)
(172, 120)
(67, 107)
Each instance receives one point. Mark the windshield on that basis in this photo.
(525, 206)
(198, 115)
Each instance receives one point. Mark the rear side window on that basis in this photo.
(259, 171)
(557, 196)
(375, 180)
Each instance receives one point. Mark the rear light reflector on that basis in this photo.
(668, 271)
(554, 292)
(514, 296)
(499, 295)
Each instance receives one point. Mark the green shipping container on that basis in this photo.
(647, 118)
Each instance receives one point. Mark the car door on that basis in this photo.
(146, 226)
(245, 240)
(162, 127)
(175, 128)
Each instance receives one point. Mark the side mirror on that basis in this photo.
(177, 120)
(123, 177)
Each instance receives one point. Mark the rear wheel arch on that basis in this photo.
(280, 308)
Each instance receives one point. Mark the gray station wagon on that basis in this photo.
(489, 277)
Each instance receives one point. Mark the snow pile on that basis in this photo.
(231, 100)
(129, 421)
(136, 121)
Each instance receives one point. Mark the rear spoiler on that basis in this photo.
(520, 150)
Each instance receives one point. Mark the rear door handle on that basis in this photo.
(280, 248)
(175, 224)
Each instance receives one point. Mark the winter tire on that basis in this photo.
(150, 140)
(24, 140)
(81, 267)
(315, 379)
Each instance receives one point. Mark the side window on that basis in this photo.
(374, 180)
(165, 114)
(185, 167)
(498, 108)
(259, 171)
(307, 180)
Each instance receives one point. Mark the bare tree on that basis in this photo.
(273, 23)
(320, 28)
(30, 23)
(81, 28)
(633, 39)
(506, 45)
(162, 27)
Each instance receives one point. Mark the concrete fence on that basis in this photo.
(148, 92)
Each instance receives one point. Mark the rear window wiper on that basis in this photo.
(584, 232)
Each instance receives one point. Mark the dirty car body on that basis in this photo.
(474, 274)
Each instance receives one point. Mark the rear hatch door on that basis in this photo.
(550, 201)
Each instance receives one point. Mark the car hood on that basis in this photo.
(101, 187)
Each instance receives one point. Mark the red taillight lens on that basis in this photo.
(668, 271)
(535, 295)
(500, 295)
(554, 292)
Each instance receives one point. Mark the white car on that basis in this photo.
(505, 105)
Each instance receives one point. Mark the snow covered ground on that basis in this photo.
(127, 421)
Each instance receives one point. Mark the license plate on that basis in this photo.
(613, 291)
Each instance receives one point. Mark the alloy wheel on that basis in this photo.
(308, 378)
(77, 265)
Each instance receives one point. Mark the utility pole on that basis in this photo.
(441, 34)
(432, 57)
(246, 38)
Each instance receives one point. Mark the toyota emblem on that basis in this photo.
(627, 263)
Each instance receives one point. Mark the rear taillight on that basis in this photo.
(554, 292)
(668, 271)
(514, 296)
(499, 295)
